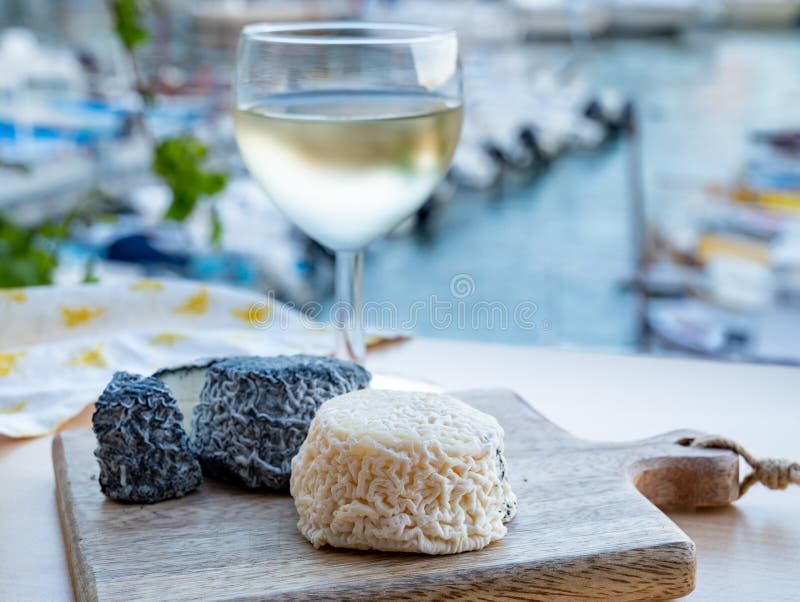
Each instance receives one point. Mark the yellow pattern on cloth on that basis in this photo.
(92, 357)
(168, 338)
(75, 316)
(8, 362)
(147, 284)
(18, 407)
(58, 356)
(254, 315)
(196, 304)
(14, 295)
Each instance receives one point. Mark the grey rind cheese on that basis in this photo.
(142, 449)
(254, 413)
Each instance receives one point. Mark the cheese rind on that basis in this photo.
(402, 472)
(142, 450)
(254, 413)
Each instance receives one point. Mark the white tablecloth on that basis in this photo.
(59, 345)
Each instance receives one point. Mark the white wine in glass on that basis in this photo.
(347, 167)
(348, 127)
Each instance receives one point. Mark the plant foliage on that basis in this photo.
(27, 256)
(128, 22)
(181, 163)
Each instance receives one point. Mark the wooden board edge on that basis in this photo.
(600, 575)
(84, 584)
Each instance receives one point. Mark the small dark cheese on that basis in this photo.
(142, 449)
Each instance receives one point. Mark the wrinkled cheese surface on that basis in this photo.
(402, 472)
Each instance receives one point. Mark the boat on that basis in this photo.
(650, 17)
(760, 13)
(561, 19)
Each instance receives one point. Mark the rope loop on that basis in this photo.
(773, 473)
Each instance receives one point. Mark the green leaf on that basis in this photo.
(216, 228)
(26, 258)
(180, 162)
(127, 16)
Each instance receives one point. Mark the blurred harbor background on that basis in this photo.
(629, 171)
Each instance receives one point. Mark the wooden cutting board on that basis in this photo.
(583, 530)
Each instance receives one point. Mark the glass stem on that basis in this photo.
(347, 312)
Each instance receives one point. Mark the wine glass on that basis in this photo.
(348, 127)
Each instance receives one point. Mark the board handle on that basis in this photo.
(672, 475)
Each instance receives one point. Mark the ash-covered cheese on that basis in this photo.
(402, 472)
(142, 449)
(254, 413)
